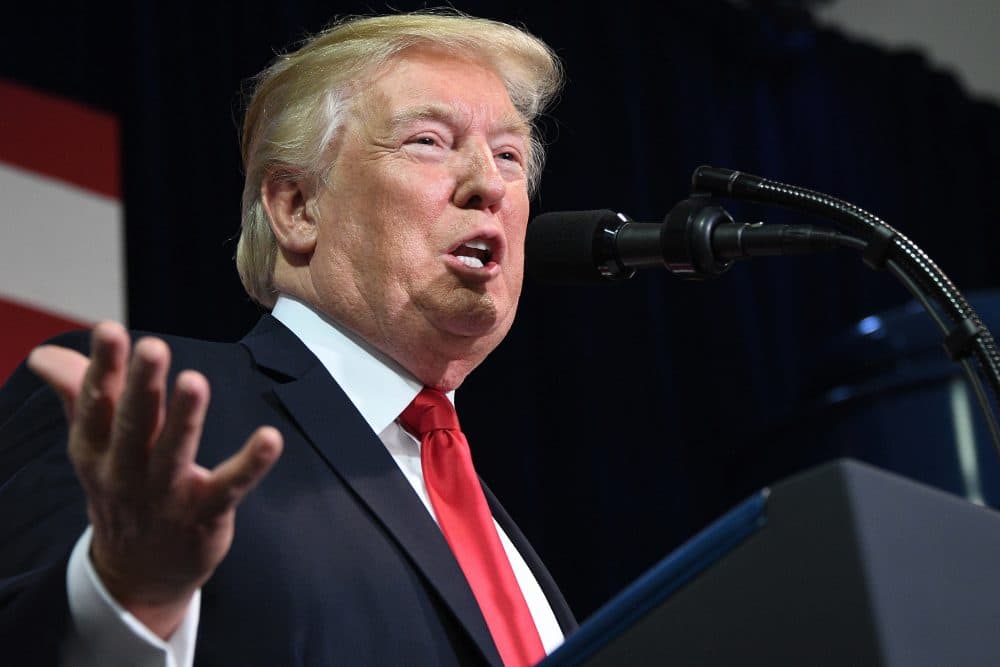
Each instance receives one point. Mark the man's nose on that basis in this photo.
(480, 183)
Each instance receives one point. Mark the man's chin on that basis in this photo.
(478, 326)
(468, 317)
(472, 328)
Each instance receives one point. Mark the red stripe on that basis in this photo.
(59, 138)
(24, 328)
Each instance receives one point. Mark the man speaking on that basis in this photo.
(388, 163)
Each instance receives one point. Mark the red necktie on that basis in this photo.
(467, 524)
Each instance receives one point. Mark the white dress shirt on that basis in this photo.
(103, 633)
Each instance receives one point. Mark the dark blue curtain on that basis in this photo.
(615, 421)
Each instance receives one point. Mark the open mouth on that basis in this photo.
(475, 254)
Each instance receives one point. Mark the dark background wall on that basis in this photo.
(641, 411)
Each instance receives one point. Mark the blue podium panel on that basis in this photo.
(662, 581)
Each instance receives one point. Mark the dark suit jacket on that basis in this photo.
(335, 560)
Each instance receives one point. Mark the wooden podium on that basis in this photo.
(840, 565)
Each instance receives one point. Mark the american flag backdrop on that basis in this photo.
(62, 263)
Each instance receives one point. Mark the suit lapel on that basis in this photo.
(564, 616)
(343, 439)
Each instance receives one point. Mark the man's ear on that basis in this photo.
(287, 203)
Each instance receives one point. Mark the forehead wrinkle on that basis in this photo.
(458, 116)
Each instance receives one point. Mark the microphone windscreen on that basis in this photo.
(560, 246)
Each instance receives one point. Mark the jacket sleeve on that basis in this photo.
(43, 513)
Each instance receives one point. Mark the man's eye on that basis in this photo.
(425, 141)
(510, 156)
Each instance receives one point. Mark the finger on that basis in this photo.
(234, 478)
(102, 383)
(139, 416)
(63, 369)
(177, 445)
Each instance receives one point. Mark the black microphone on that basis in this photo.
(696, 240)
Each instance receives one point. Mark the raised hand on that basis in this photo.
(161, 523)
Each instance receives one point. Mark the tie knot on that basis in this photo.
(429, 411)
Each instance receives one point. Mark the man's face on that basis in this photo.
(420, 245)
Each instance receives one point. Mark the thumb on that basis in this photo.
(63, 370)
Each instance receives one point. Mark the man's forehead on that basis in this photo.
(396, 94)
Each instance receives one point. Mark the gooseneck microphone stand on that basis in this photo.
(883, 247)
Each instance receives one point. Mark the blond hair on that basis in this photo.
(299, 104)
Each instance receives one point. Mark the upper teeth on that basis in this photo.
(478, 245)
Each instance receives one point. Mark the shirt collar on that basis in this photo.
(378, 386)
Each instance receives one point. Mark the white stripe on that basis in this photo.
(61, 247)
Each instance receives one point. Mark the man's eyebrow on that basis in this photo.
(514, 123)
(509, 123)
